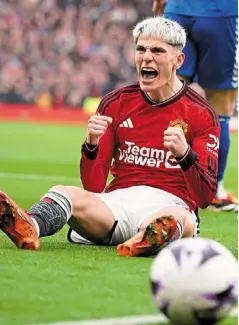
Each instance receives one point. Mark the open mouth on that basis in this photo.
(148, 73)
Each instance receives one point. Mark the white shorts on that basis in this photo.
(130, 207)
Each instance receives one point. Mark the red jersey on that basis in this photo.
(132, 147)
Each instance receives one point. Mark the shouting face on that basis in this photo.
(156, 63)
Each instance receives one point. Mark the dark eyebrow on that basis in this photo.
(154, 49)
(140, 48)
(157, 49)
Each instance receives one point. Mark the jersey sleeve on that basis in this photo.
(200, 164)
(96, 161)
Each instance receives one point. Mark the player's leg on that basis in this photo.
(122, 228)
(143, 211)
(61, 204)
(159, 218)
(159, 230)
(217, 72)
(185, 219)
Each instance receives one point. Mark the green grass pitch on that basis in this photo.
(64, 281)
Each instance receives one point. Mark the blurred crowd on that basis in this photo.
(59, 52)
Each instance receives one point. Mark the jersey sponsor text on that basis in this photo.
(145, 156)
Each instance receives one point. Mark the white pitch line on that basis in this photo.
(38, 177)
(129, 320)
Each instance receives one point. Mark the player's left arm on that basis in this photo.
(199, 162)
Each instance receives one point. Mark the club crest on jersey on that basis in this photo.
(181, 124)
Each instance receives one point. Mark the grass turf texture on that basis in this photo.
(65, 281)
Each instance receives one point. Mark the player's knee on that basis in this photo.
(178, 212)
(189, 227)
(188, 221)
(78, 197)
(58, 188)
(225, 110)
(223, 101)
(63, 190)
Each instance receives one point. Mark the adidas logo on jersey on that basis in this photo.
(127, 124)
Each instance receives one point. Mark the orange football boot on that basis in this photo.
(17, 225)
(228, 204)
(149, 241)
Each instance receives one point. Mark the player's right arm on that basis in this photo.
(97, 153)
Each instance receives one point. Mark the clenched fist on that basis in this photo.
(97, 126)
(175, 141)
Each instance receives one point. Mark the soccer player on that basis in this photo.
(160, 141)
(211, 56)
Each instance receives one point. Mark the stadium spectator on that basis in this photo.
(60, 52)
(211, 59)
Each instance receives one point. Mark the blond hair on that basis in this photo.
(159, 27)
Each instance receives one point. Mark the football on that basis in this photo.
(194, 281)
